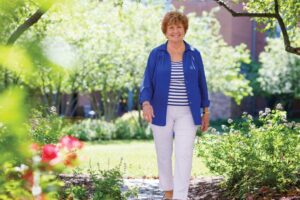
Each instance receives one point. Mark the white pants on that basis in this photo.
(180, 121)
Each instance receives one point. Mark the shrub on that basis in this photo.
(37, 179)
(255, 157)
(75, 192)
(123, 130)
(126, 127)
(108, 183)
(45, 129)
(11, 186)
(90, 129)
(98, 184)
(130, 127)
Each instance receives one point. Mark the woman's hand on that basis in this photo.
(205, 122)
(148, 112)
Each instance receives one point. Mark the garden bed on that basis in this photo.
(201, 188)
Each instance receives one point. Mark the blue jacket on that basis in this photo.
(155, 84)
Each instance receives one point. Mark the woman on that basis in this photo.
(172, 93)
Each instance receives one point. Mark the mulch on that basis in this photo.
(201, 188)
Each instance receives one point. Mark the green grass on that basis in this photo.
(138, 158)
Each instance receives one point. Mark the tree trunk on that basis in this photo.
(110, 103)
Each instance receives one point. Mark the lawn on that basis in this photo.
(138, 158)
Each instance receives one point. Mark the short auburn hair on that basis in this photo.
(174, 17)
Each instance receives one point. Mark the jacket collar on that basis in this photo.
(163, 47)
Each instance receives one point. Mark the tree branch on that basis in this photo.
(288, 47)
(243, 14)
(287, 43)
(21, 29)
(26, 25)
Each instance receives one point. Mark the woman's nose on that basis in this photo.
(177, 30)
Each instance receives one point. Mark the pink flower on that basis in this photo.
(49, 152)
(71, 143)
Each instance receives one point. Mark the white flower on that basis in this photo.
(22, 168)
(213, 130)
(249, 116)
(279, 106)
(53, 110)
(267, 110)
(224, 127)
(229, 121)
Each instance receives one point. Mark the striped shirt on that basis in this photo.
(177, 92)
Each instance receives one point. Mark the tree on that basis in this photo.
(280, 71)
(110, 46)
(221, 61)
(112, 43)
(113, 59)
(285, 12)
(17, 17)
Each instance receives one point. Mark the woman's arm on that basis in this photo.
(146, 87)
(205, 110)
(205, 102)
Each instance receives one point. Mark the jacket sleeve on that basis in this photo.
(205, 102)
(146, 86)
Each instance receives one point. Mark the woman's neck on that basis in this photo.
(176, 45)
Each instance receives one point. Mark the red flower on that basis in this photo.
(28, 176)
(49, 152)
(71, 143)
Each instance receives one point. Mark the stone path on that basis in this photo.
(148, 188)
(200, 188)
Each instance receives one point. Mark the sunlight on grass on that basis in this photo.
(139, 158)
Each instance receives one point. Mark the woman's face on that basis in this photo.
(175, 32)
